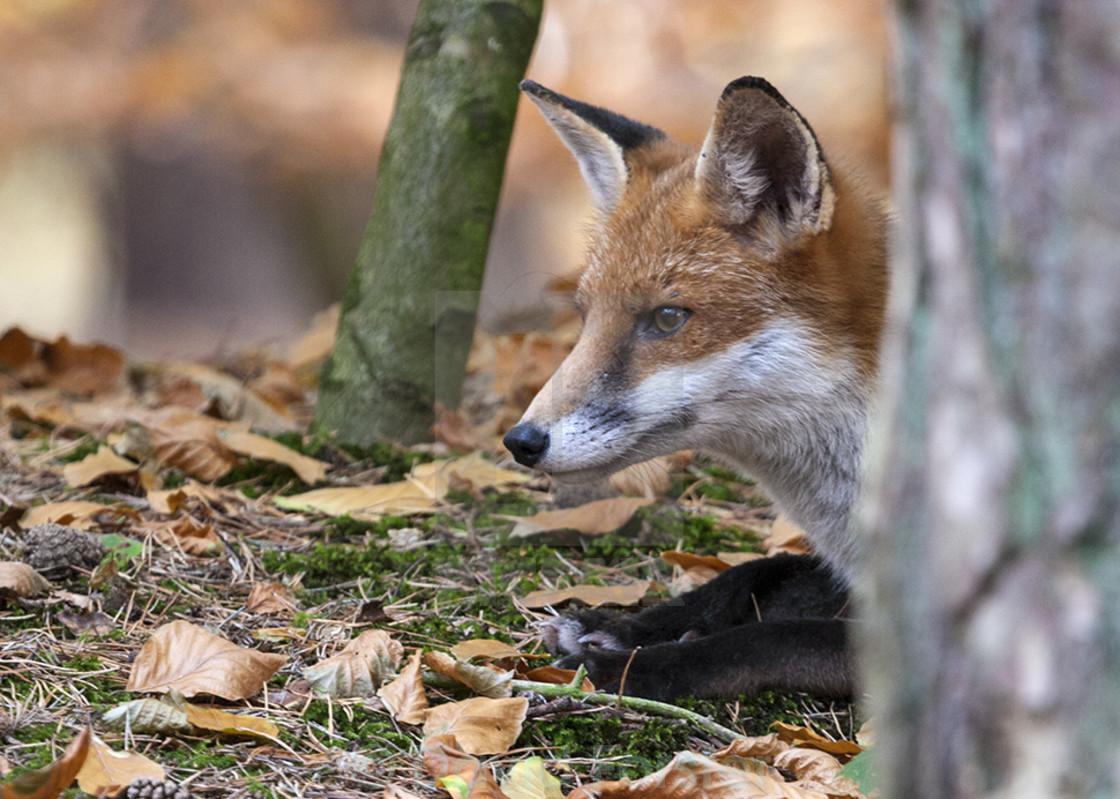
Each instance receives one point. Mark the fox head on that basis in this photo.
(732, 302)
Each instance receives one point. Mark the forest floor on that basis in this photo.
(194, 591)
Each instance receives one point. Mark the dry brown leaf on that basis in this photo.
(650, 478)
(403, 498)
(93, 467)
(167, 501)
(555, 676)
(735, 558)
(75, 513)
(222, 721)
(405, 696)
(807, 737)
(243, 442)
(593, 595)
(455, 430)
(687, 560)
(359, 669)
(187, 535)
(147, 716)
(452, 768)
(315, 346)
(529, 779)
(90, 621)
(817, 771)
(16, 349)
(485, 786)
(693, 776)
(19, 579)
(83, 369)
(480, 679)
(482, 726)
(185, 657)
(594, 518)
(228, 397)
(270, 597)
(106, 772)
(785, 536)
(484, 648)
(44, 406)
(50, 781)
(761, 747)
(190, 442)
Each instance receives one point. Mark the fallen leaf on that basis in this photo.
(480, 679)
(454, 429)
(93, 467)
(106, 772)
(482, 726)
(556, 676)
(243, 442)
(190, 442)
(405, 696)
(75, 513)
(485, 786)
(314, 347)
(185, 657)
(359, 669)
(785, 536)
(593, 595)
(147, 716)
(187, 535)
(93, 621)
(222, 721)
(485, 648)
(687, 560)
(270, 597)
(390, 499)
(19, 579)
(452, 768)
(50, 781)
(594, 518)
(650, 478)
(16, 349)
(529, 779)
(692, 776)
(809, 738)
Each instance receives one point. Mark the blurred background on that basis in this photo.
(192, 177)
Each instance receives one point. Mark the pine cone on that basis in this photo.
(55, 551)
(145, 788)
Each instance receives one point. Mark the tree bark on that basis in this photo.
(993, 632)
(409, 309)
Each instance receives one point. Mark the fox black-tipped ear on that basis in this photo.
(762, 163)
(598, 138)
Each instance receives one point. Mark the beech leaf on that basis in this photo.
(529, 779)
(593, 595)
(480, 679)
(51, 780)
(451, 767)
(482, 726)
(106, 772)
(243, 442)
(593, 518)
(21, 580)
(359, 669)
(185, 657)
(93, 467)
(405, 696)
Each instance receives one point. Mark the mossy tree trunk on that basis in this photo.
(993, 624)
(408, 313)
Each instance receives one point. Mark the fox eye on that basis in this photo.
(669, 318)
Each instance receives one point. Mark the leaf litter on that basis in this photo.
(358, 622)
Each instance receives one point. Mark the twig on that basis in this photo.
(552, 691)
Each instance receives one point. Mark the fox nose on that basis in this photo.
(527, 442)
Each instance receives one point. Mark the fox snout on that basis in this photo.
(527, 442)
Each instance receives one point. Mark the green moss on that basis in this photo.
(372, 733)
(754, 715)
(196, 756)
(329, 564)
(639, 749)
(88, 445)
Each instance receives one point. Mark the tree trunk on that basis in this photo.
(993, 634)
(409, 309)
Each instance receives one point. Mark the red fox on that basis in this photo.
(733, 301)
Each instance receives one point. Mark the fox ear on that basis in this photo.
(598, 138)
(761, 162)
